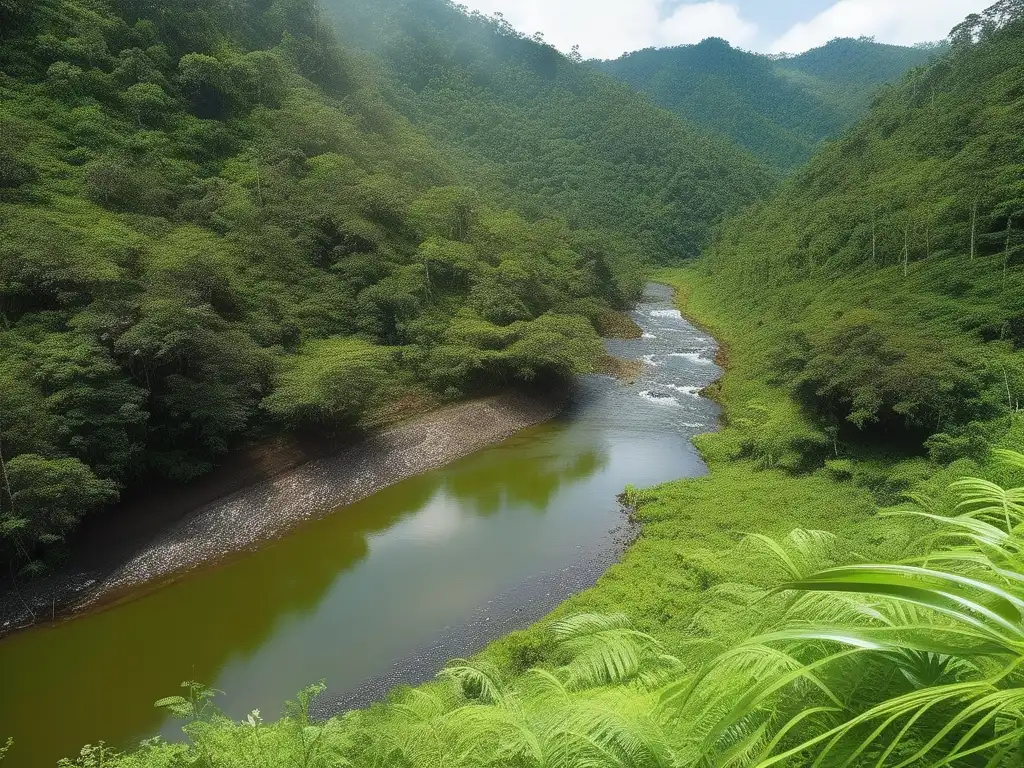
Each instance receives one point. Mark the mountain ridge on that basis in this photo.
(780, 108)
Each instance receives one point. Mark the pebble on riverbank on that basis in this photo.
(247, 519)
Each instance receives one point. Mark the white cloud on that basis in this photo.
(608, 28)
(902, 22)
(693, 23)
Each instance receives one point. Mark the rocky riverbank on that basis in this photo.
(243, 521)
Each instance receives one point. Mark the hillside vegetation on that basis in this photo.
(884, 280)
(865, 364)
(544, 132)
(780, 109)
(216, 226)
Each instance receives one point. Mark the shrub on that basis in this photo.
(330, 382)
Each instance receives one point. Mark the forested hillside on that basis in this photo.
(887, 274)
(778, 108)
(873, 314)
(874, 327)
(215, 227)
(544, 132)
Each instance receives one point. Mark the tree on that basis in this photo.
(122, 185)
(206, 84)
(330, 382)
(259, 77)
(65, 81)
(14, 12)
(98, 415)
(14, 171)
(49, 496)
(147, 102)
(448, 212)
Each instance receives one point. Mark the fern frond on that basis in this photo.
(477, 680)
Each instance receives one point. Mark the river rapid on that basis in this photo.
(383, 591)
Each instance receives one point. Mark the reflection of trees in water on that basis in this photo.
(524, 478)
(142, 650)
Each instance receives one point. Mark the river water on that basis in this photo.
(385, 590)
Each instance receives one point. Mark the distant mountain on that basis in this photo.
(546, 133)
(780, 109)
(888, 273)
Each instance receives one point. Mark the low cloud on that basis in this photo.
(695, 22)
(608, 28)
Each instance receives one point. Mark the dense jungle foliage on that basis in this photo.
(780, 109)
(884, 281)
(870, 312)
(216, 225)
(844, 588)
(545, 133)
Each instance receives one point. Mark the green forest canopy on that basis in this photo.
(872, 302)
(780, 108)
(543, 132)
(886, 273)
(211, 214)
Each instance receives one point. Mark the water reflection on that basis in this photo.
(526, 478)
(348, 596)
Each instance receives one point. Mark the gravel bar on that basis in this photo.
(244, 521)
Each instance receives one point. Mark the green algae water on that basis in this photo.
(383, 591)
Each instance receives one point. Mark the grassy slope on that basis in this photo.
(692, 527)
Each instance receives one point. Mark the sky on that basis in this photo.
(609, 28)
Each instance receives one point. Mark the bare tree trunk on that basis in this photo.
(259, 180)
(1006, 381)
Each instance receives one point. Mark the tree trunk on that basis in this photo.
(259, 181)
(874, 238)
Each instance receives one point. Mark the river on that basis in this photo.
(385, 590)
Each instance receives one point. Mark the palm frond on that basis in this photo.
(984, 500)
(978, 531)
(912, 705)
(801, 553)
(542, 685)
(1009, 458)
(989, 608)
(616, 732)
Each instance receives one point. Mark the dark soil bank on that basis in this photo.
(195, 529)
